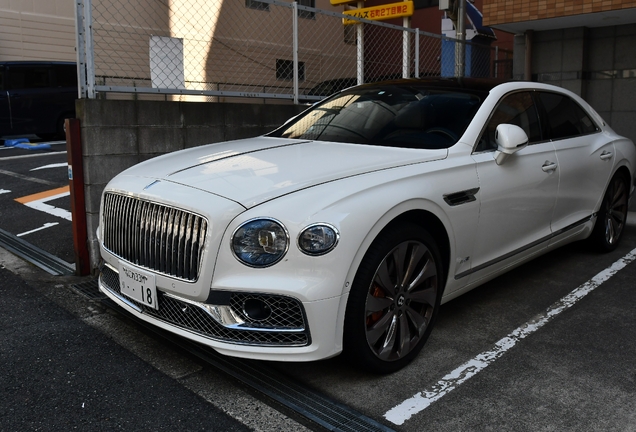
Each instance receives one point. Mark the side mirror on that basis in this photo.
(510, 139)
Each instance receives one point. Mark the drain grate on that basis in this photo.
(36, 256)
(89, 289)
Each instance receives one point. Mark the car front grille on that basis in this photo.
(285, 327)
(154, 236)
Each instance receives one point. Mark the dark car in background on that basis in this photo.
(36, 97)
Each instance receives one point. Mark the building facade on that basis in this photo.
(37, 30)
(587, 46)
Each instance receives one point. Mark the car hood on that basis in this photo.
(256, 170)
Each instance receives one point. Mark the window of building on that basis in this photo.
(304, 13)
(258, 5)
(350, 34)
(285, 70)
(421, 4)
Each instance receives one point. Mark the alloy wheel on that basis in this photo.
(401, 300)
(615, 211)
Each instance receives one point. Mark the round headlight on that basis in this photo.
(318, 239)
(260, 242)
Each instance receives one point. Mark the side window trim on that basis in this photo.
(534, 102)
(544, 126)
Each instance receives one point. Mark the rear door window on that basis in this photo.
(65, 76)
(564, 117)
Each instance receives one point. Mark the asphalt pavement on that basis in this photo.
(59, 374)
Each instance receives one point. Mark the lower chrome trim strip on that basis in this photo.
(525, 248)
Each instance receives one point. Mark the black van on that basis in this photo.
(36, 97)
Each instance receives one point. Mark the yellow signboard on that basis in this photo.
(339, 2)
(380, 13)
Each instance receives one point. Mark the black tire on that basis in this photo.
(388, 321)
(60, 129)
(61, 126)
(611, 217)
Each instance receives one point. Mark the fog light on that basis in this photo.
(256, 309)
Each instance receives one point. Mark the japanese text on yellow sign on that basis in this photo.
(379, 13)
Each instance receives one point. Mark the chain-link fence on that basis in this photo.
(255, 49)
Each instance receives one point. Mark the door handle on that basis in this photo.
(606, 155)
(549, 166)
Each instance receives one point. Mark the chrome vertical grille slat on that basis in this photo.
(164, 243)
(153, 237)
(161, 238)
(135, 236)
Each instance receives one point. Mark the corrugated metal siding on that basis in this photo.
(40, 30)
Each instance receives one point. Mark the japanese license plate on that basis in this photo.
(138, 285)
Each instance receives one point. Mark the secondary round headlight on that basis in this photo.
(260, 242)
(318, 239)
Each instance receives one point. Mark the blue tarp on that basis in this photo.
(24, 143)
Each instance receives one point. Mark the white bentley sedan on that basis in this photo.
(344, 229)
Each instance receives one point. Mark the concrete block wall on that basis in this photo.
(117, 134)
(598, 64)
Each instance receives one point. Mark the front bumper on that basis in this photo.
(285, 335)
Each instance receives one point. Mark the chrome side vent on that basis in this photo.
(154, 236)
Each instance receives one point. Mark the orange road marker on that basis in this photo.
(42, 195)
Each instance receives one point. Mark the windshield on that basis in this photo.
(393, 116)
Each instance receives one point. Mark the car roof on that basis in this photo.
(474, 84)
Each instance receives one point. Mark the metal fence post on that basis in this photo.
(295, 48)
(80, 34)
(417, 54)
(406, 47)
(360, 48)
(90, 59)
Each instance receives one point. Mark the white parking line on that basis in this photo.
(30, 155)
(38, 202)
(420, 401)
(55, 165)
(45, 226)
(47, 208)
(4, 191)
